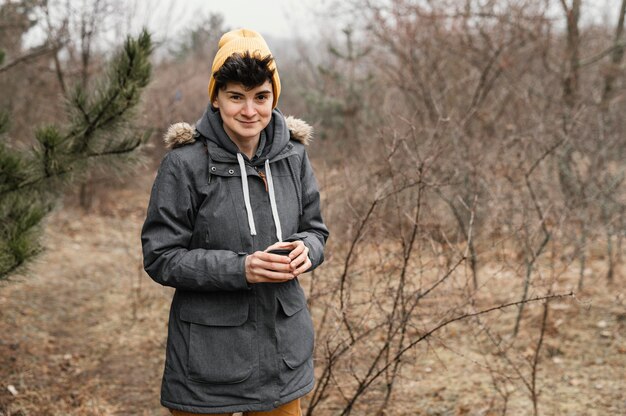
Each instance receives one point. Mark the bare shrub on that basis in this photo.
(485, 162)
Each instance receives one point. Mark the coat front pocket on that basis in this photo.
(294, 328)
(220, 344)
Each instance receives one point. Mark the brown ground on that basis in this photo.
(83, 334)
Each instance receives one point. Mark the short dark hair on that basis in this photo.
(244, 69)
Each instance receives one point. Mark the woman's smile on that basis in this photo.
(245, 113)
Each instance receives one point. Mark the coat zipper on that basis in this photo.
(262, 175)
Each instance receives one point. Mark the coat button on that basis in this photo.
(276, 403)
(231, 171)
(212, 168)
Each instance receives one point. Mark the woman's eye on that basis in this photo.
(261, 97)
(235, 97)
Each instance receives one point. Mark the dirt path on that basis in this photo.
(83, 334)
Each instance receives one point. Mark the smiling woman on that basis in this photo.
(240, 334)
(245, 112)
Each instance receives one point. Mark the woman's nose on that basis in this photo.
(248, 108)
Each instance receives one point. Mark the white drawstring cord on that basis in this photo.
(246, 193)
(270, 184)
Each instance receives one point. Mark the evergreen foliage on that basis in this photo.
(98, 134)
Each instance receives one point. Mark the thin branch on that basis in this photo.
(346, 266)
(412, 344)
(608, 51)
(33, 54)
(533, 392)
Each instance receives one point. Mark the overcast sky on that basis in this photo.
(167, 18)
(287, 19)
(274, 18)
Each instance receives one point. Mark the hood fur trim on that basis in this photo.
(300, 130)
(180, 134)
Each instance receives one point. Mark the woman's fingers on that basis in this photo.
(298, 248)
(304, 267)
(280, 245)
(273, 262)
(273, 258)
(266, 267)
(276, 275)
(299, 256)
(263, 266)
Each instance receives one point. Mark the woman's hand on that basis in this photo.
(264, 267)
(298, 256)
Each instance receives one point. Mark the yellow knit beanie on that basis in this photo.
(240, 41)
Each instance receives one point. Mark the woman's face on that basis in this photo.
(244, 112)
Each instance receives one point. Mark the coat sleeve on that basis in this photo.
(167, 231)
(311, 230)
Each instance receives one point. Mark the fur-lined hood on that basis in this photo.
(180, 134)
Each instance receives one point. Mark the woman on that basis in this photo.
(239, 184)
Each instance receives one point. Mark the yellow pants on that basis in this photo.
(288, 409)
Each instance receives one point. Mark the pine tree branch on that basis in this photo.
(129, 73)
(60, 174)
(31, 180)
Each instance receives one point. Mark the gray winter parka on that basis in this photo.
(232, 346)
